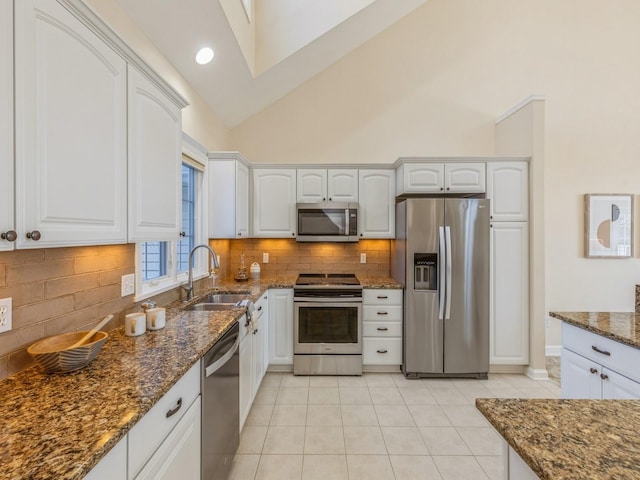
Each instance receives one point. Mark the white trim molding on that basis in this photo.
(537, 373)
(518, 106)
(553, 350)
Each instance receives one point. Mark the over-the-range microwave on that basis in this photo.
(327, 222)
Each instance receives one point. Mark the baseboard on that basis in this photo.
(553, 350)
(280, 368)
(537, 373)
(506, 368)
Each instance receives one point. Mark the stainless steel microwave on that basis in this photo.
(327, 222)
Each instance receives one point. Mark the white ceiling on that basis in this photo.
(179, 28)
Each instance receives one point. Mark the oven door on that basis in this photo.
(328, 328)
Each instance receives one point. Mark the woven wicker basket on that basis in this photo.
(54, 354)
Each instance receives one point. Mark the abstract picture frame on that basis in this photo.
(608, 225)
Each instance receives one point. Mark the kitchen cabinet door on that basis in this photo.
(580, 376)
(155, 162)
(6, 124)
(508, 190)
(258, 356)
(311, 186)
(617, 387)
(377, 212)
(342, 185)
(464, 177)
(281, 326)
(274, 202)
(421, 178)
(228, 198)
(509, 293)
(71, 131)
(246, 376)
(178, 458)
(113, 465)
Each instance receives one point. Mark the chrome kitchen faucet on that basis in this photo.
(214, 265)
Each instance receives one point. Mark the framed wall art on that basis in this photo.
(608, 225)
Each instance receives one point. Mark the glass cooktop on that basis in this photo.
(327, 279)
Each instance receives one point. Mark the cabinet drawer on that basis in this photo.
(382, 313)
(151, 430)
(382, 329)
(381, 351)
(621, 358)
(373, 296)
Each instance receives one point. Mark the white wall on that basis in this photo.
(198, 120)
(243, 28)
(433, 83)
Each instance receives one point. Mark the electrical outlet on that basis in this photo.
(265, 257)
(363, 258)
(128, 285)
(5, 314)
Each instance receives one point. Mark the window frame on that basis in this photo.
(195, 156)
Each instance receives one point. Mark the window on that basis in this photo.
(164, 265)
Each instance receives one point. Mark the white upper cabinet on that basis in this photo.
(508, 189)
(333, 185)
(274, 202)
(70, 130)
(376, 215)
(451, 177)
(228, 196)
(7, 230)
(155, 150)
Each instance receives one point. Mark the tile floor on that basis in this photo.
(378, 426)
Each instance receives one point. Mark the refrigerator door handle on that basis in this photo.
(448, 248)
(442, 280)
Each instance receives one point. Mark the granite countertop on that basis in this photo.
(61, 425)
(623, 327)
(378, 282)
(570, 439)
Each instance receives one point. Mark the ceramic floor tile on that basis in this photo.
(414, 467)
(323, 381)
(325, 467)
(402, 382)
(280, 467)
(451, 396)
(244, 467)
(272, 379)
(289, 415)
(324, 441)
(293, 395)
(464, 416)
(444, 441)
(417, 396)
(429, 416)
(354, 395)
(386, 396)
(290, 380)
(359, 416)
(284, 440)
(369, 467)
(364, 441)
(459, 468)
(351, 381)
(509, 392)
(404, 441)
(379, 380)
(394, 416)
(535, 393)
(324, 415)
(266, 395)
(259, 414)
(481, 440)
(252, 439)
(493, 466)
(324, 396)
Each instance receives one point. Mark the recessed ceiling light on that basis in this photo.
(204, 55)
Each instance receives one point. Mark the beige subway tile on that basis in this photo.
(22, 256)
(99, 263)
(58, 287)
(70, 252)
(3, 275)
(24, 294)
(33, 272)
(73, 321)
(87, 298)
(40, 311)
(4, 367)
(19, 361)
(21, 338)
(110, 277)
(121, 250)
(118, 307)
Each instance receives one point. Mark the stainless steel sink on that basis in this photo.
(211, 307)
(229, 298)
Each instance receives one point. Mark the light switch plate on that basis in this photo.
(5, 314)
(265, 257)
(363, 258)
(128, 285)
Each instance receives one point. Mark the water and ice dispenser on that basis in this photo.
(425, 271)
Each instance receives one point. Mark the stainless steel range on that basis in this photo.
(327, 324)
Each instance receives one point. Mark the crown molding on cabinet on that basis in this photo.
(230, 155)
(402, 160)
(89, 18)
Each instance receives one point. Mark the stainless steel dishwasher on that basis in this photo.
(220, 406)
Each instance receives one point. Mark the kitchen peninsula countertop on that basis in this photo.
(570, 439)
(61, 425)
(622, 327)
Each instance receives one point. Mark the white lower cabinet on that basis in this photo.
(113, 465)
(281, 326)
(381, 327)
(514, 467)
(246, 376)
(595, 367)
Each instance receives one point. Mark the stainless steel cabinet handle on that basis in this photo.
(382, 329)
(35, 235)
(173, 411)
(593, 370)
(9, 235)
(382, 297)
(382, 351)
(603, 352)
(604, 377)
(260, 308)
(383, 313)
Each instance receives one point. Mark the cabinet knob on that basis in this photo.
(603, 376)
(183, 234)
(35, 235)
(293, 234)
(382, 351)
(448, 188)
(330, 199)
(9, 235)
(324, 199)
(441, 188)
(239, 234)
(593, 370)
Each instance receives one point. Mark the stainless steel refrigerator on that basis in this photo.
(441, 257)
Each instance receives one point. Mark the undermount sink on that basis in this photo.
(211, 307)
(229, 298)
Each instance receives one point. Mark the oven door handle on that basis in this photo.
(336, 299)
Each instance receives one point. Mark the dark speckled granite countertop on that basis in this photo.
(570, 439)
(622, 327)
(59, 426)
